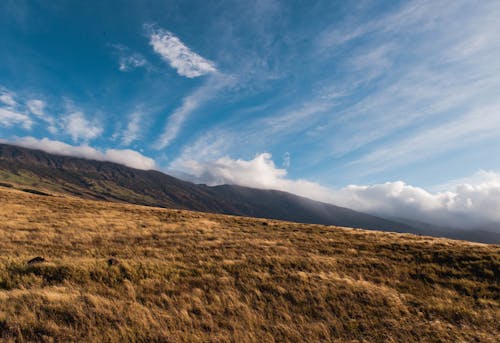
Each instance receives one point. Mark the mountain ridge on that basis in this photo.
(102, 180)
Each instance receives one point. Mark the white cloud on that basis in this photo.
(477, 125)
(191, 103)
(415, 15)
(209, 146)
(36, 107)
(443, 59)
(78, 127)
(260, 172)
(126, 157)
(10, 118)
(129, 60)
(286, 160)
(17, 109)
(129, 158)
(128, 63)
(133, 129)
(7, 98)
(464, 206)
(179, 56)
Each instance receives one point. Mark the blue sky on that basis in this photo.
(304, 96)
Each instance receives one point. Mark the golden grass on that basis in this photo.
(191, 277)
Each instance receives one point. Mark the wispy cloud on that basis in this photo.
(286, 160)
(9, 118)
(129, 60)
(18, 109)
(128, 63)
(479, 125)
(133, 129)
(425, 71)
(210, 146)
(191, 103)
(180, 57)
(191, 65)
(7, 98)
(127, 157)
(443, 62)
(79, 127)
(36, 106)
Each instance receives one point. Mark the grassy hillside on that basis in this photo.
(186, 276)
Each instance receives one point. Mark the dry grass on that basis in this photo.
(186, 276)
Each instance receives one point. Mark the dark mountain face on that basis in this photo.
(113, 182)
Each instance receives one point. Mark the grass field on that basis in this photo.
(184, 276)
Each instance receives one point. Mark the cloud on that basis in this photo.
(400, 82)
(260, 172)
(286, 160)
(17, 111)
(179, 56)
(415, 15)
(478, 125)
(127, 157)
(443, 59)
(78, 127)
(464, 205)
(129, 60)
(191, 103)
(210, 146)
(191, 65)
(133, 129)
(10, 118)
(7, 98)
(128, 63)
(36, 106)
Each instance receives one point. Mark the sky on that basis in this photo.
(388, 107)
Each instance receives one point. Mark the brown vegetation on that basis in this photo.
(186, 276)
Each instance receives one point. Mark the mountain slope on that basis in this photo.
(113, 182)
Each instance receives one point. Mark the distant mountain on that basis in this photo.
(37, 171)
(486, 234)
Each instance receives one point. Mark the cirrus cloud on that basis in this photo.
(180, 57)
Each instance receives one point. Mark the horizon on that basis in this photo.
(388, 109)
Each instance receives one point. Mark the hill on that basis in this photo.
(114, 182)
(181, 276)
